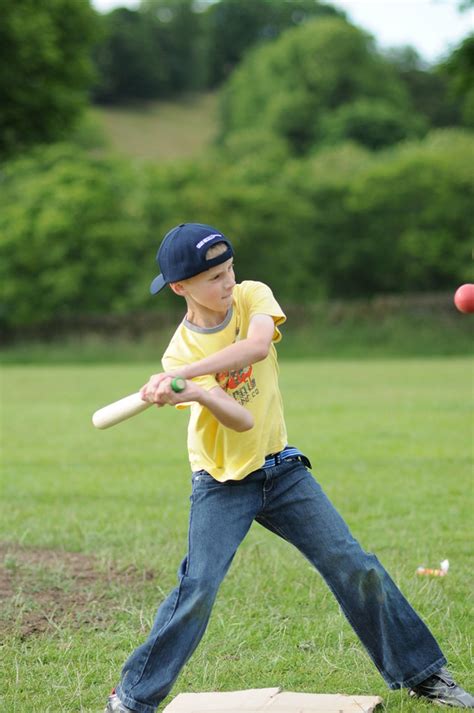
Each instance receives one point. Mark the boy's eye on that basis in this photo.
(219, 274)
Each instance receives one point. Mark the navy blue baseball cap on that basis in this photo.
(182, 254)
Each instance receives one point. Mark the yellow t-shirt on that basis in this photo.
(222, 452)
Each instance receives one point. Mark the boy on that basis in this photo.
(243, 470)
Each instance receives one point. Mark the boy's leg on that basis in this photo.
(221, 515)
(399, 643)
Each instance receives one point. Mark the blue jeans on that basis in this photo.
(287, 500)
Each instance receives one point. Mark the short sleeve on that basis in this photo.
(259, 299)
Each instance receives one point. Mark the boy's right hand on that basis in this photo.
(158, 389)
(150, 391)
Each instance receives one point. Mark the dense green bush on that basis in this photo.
(411, 211)
(342, 222)
(79, 234)
(71, 236)
(372, 123)
(396, 221)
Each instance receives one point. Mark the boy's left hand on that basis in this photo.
(149, 391)
(158, 390)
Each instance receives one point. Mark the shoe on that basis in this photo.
(115, 705)
(443, 690)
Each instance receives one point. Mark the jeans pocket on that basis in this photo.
(202, 479)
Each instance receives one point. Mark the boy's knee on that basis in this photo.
(201, 593)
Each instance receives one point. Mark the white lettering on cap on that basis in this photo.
(209, 237)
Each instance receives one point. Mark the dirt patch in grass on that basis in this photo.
(43, 589)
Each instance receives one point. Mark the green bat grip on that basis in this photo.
(178, 384)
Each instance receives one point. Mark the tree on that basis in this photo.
(294, 86)
(148, 53)
(168, 46)
(459, 71)
(180, 34)
(129, 59)
(427, 87)
(44, 51)
(373, 123)
(233, 26)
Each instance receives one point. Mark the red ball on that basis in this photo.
(464, 298)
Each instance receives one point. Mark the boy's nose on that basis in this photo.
(230, 282)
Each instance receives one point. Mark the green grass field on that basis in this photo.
(93, 527)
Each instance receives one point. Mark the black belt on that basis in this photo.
(274, 459)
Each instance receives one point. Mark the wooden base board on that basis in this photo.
(273, 700)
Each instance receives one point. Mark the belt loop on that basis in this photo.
(277, 458)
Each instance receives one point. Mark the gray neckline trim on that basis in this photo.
(209, 330)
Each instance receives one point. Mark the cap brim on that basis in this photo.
(158, 283)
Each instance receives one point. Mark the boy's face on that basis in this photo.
(211, 289)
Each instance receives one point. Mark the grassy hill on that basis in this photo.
(160, 130)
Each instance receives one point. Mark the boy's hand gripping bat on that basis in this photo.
(128, 406)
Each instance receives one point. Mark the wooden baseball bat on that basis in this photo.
(129, 406)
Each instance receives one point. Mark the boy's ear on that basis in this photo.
(178, 288)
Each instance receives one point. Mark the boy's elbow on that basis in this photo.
(262, 350)
(245, 424)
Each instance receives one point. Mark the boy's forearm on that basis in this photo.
(235, 356)
(226, 410)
